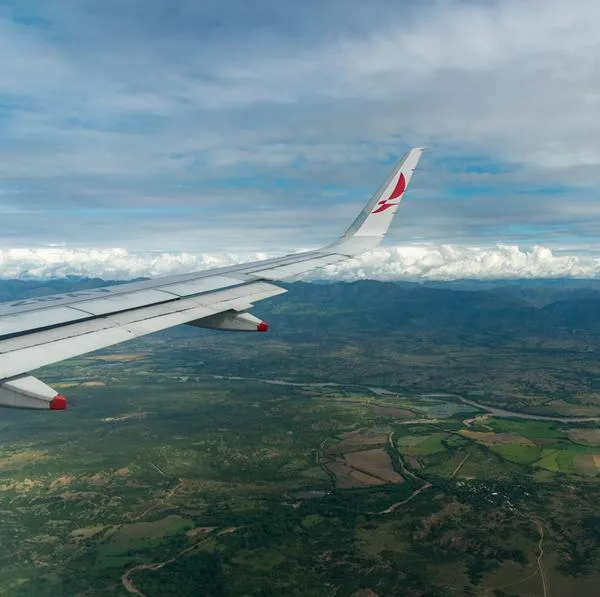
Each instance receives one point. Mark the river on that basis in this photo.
(500, 412)
(497, 412)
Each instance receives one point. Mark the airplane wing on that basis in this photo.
(40, 331)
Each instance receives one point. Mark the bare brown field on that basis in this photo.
(363, 477)
(355, 440)
(586, 464)
(376, 463)
(543, 441)
(361, 433)
(400, 413)
(587, 437)
(414, 462)
(23, 458)
(356, 462)
(348, 478)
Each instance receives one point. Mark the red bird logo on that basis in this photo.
(397, 193)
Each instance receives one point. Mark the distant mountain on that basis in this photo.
(381, 307)
(533, 348)
(11, 290)
(515, 306)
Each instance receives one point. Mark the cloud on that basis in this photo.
(451, 262)
(411, 262)
(114, 264)
(108, 109)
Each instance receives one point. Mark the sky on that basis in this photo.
(145, 137)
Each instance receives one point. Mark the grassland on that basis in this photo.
(422, 445)
(242, 487)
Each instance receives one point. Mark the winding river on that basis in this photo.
(497, 412)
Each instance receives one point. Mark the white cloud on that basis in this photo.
(451, 262)
(411, 262)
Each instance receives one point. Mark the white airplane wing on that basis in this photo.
(40, 331)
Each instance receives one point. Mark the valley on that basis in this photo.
(239, 465)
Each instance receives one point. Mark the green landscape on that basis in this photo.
(355, 450)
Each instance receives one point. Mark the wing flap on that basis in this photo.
(52, 335)
(32, 320)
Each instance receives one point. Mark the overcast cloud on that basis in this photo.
(150, 136)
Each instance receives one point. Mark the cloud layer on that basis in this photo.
(136, 123)
(414, 262)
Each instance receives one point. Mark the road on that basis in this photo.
(545, 584)
(405, 473)
(460, 464)
(414, 494)
(126, 578)
(540, 566)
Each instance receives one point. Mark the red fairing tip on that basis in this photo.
(59, 402)
(263, 326)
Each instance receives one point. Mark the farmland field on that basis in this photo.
(167, 477)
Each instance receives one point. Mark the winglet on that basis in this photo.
(371, 225)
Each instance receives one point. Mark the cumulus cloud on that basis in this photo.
(410, 262)
(113, 264)
(452, 262)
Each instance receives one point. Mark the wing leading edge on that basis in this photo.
(45, 330)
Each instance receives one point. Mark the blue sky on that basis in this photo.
(243, 126)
